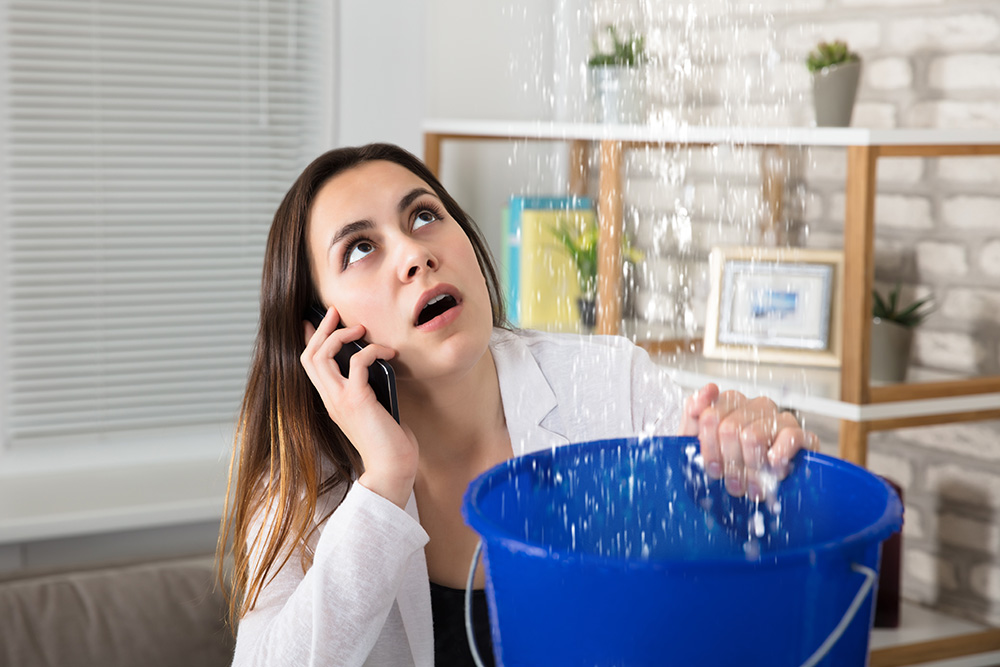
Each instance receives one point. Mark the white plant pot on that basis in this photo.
(618, 94)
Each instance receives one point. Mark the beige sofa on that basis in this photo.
(161, 614)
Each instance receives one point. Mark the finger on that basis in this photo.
(755, 439)
(708, 435)
(695, 405)
(319, 356)
(732, 456)
(326, 325)
(787, 443)
(336, 339)
(755, 423)
(729, 401)
(365, 357)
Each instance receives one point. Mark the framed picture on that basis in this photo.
(780, 305)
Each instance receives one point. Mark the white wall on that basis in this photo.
(381, 76)
(401, 61)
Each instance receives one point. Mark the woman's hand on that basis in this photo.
(389, 451)
(741, 437)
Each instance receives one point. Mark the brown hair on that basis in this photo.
(284, 432)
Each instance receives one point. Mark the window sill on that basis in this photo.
(103, 496)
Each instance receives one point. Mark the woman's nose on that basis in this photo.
(415, 258)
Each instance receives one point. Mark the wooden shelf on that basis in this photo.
(817, 390)
(896, 142)
(861, 407)
(927, 637)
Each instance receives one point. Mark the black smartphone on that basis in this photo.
(380, 374)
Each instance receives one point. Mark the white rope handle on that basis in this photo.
(468, 606)
(852, 609)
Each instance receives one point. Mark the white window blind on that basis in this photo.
(145, 148)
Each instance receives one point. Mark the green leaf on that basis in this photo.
(880, 310)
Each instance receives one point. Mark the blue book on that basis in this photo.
(512, 240)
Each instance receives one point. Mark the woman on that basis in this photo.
(341, 516)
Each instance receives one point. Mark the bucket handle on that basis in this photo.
(852, 610)
(468, 606)
(820, 653)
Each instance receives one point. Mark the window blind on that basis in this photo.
(146, 146)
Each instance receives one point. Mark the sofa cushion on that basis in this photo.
(149, 615)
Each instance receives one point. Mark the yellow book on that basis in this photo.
(549, 284)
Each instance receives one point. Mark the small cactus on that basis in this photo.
(827, 54)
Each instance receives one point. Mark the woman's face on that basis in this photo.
(385, 253)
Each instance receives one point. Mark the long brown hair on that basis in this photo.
(284, 433)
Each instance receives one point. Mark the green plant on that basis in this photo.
(892, 309)
(827, 54)
(627, 52)
(580, 243)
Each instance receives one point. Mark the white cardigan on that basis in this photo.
(366, 599)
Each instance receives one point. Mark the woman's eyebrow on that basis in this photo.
(350, 229)
(412, 196)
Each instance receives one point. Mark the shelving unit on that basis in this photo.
(861, 407)
(845, 393)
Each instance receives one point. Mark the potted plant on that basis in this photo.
(616, 80)
(835, 71)
(892, 333)
(580, 244)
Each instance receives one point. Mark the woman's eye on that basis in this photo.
(424, 217)
(358, 251)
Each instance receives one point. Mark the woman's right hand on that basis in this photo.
(389, 451)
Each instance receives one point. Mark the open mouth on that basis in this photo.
(435, 307)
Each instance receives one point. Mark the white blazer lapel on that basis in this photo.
(529, 404)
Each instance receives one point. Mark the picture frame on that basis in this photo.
(777, 305)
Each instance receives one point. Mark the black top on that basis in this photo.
(451, 646)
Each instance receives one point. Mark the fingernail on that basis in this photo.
(753, 490)
(714, 470)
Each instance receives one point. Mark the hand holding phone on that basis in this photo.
(381, 377)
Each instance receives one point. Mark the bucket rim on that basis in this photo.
(889, 522)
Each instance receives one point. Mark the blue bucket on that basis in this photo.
(621, 552)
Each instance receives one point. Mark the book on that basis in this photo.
(532, 262)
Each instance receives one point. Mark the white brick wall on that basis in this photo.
(945, 113)
(861, 35)
(895, 468)
(972, 212)
(961, 531)
(906, 171)
(964, 72)
(979, 441)
(970, 170)
(941, 259)
(913, 522)
(956, 483)
(989, 258)
(898, 211)
(876, 115)
(941, 32)
(971, 305)
(930, 570)
(888, 74)
(985, 580)
(949, 351)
